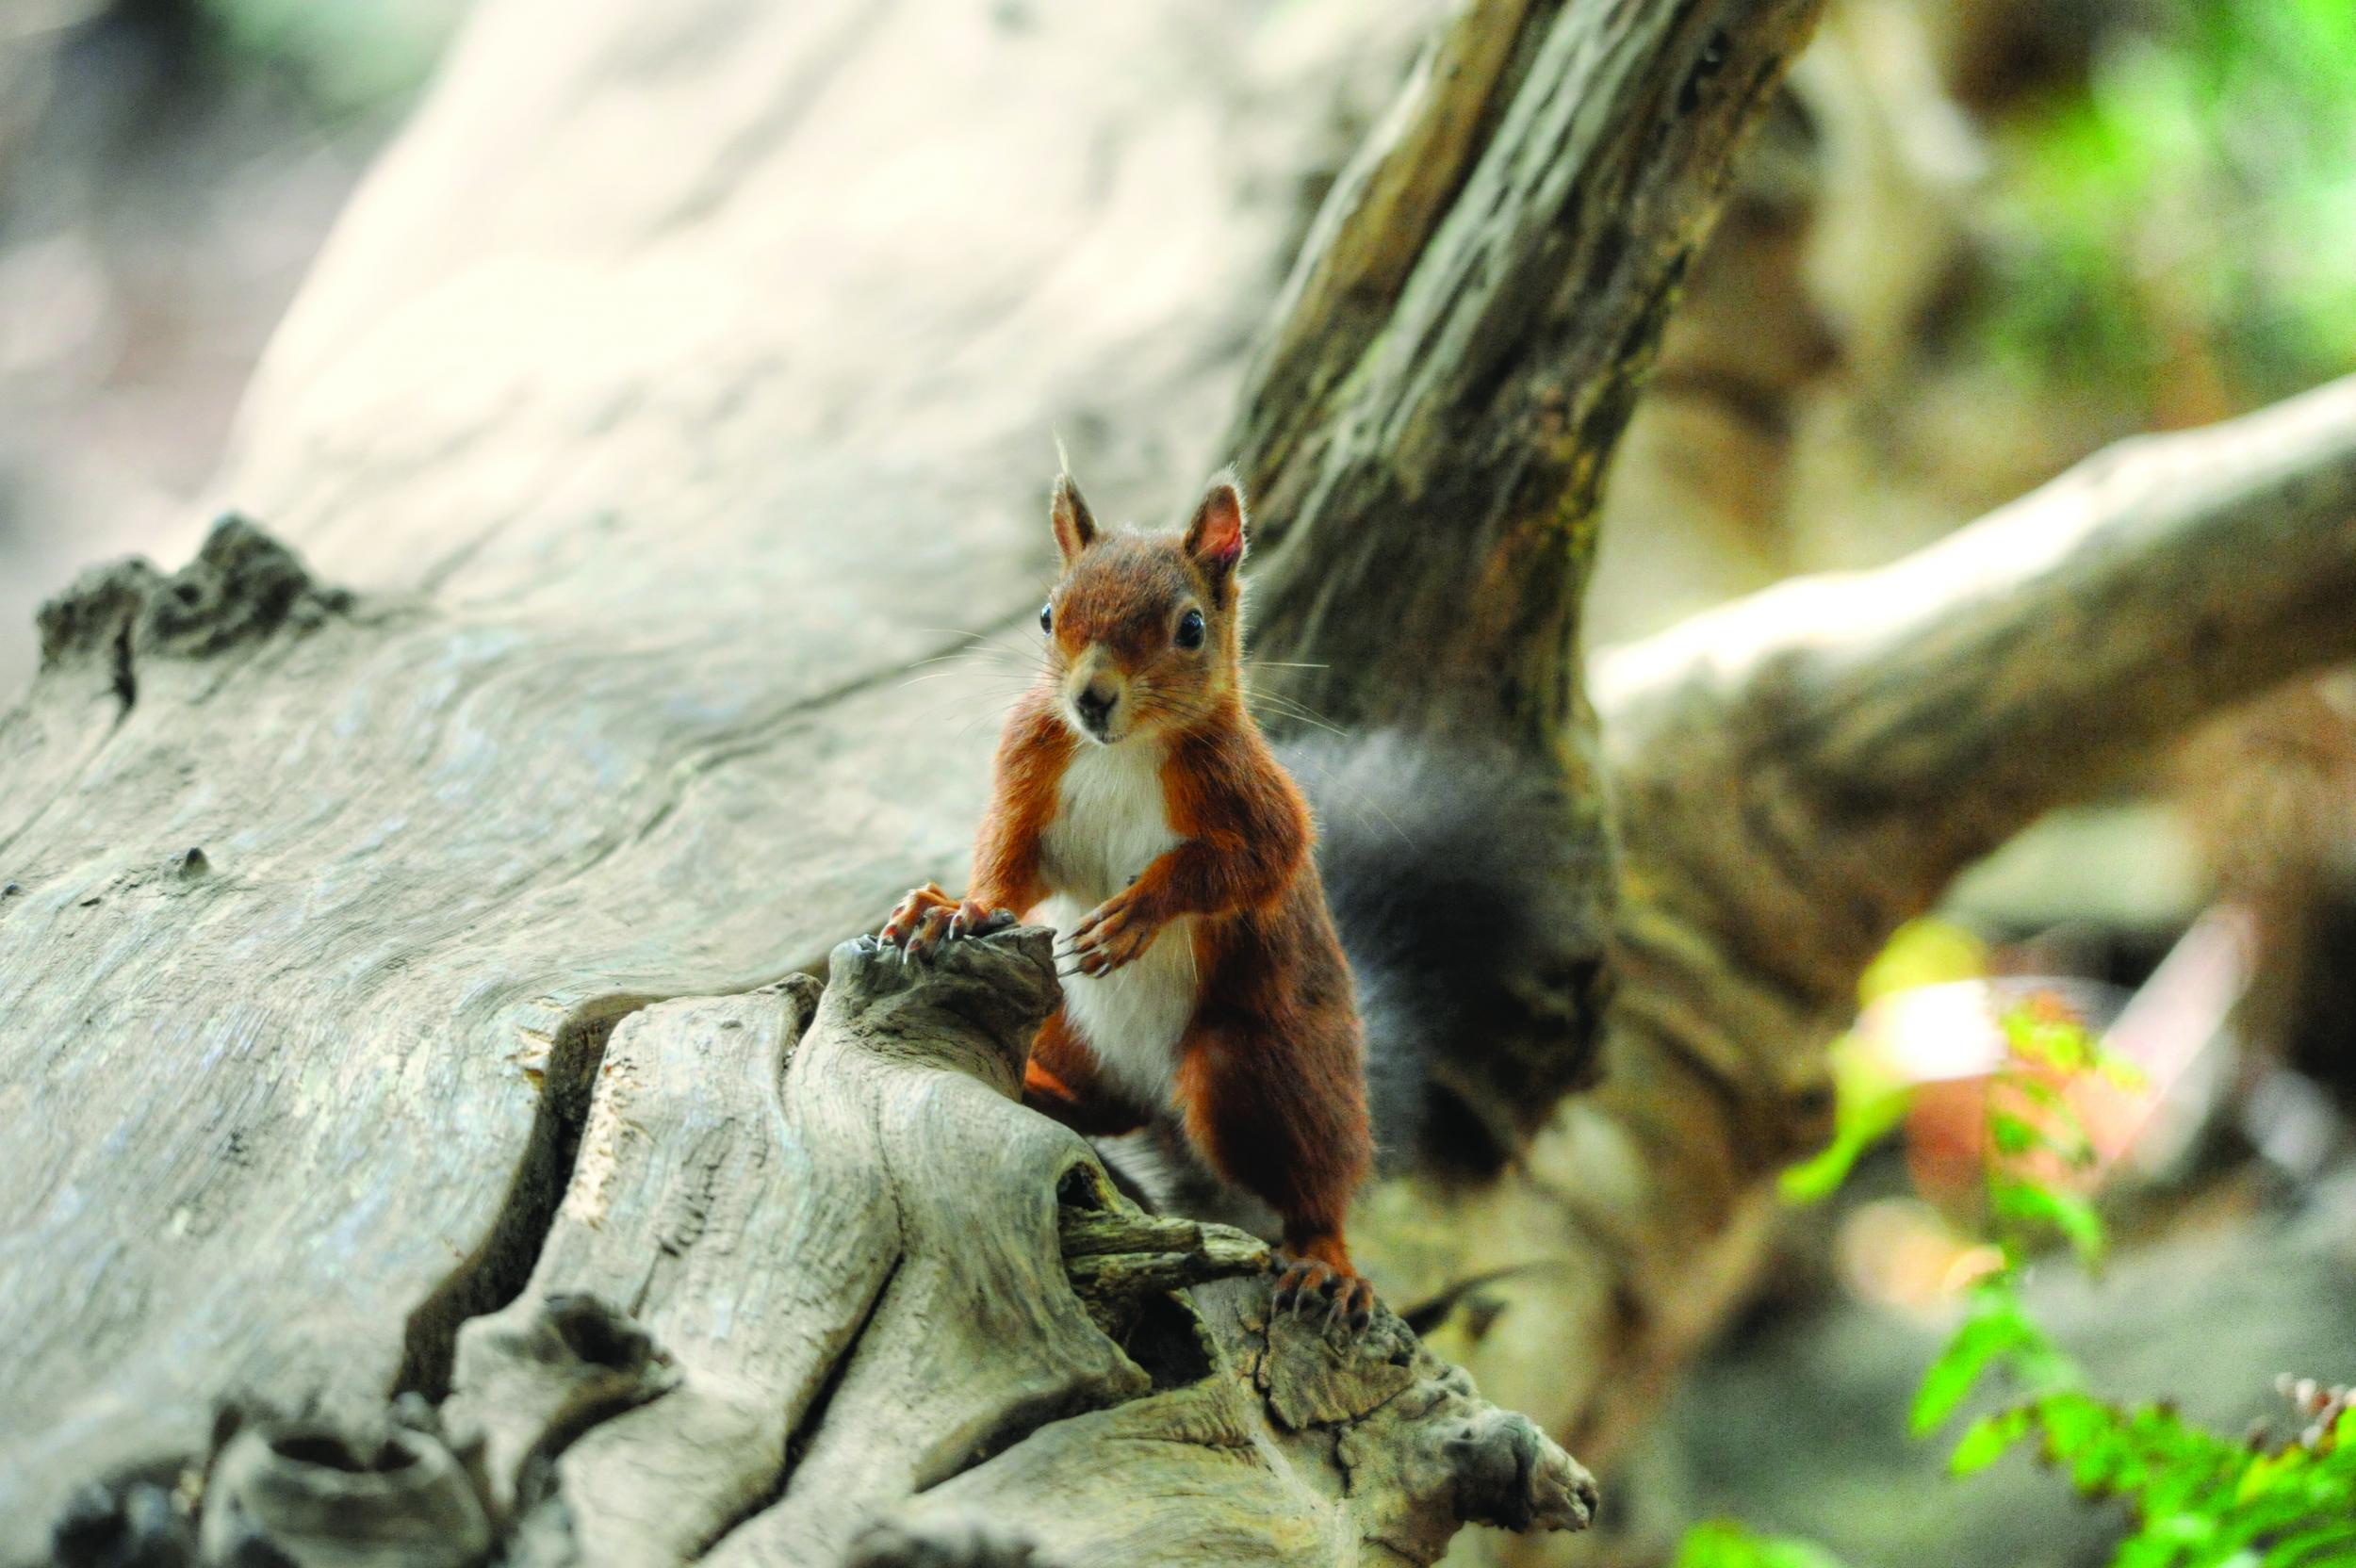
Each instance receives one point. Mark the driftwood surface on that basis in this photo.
(634, 472)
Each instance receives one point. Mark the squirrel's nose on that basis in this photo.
(1096, 703)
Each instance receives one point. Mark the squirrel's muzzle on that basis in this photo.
(1095, 702)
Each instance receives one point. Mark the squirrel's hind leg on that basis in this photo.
(1062, 1082)
(1296, 1139)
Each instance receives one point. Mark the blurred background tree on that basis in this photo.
(1990, 238)
(168, 168)
(2170, 228)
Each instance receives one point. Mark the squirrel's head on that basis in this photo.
(1144, 630)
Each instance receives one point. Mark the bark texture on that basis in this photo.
(1458, 349)
(1454, 358)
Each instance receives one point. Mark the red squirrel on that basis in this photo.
(1136, 808)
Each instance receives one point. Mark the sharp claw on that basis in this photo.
(1303, 1284)
(939, 922)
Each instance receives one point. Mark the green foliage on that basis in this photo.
(1869, 1104)
(1723, 1544)
(2028, 1206)
(2049, 1049)
(2195, 1499)
(1869, 1101)
(2205, 1503)
(2190, 213)
(2199, 1500)
(1997, 1331)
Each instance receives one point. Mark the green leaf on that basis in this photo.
(2012, 1135)
(1870, 1102)
(1859, 1127)
(1996, 1328)
(2264, 1470)
(1987, 1440)
(2025, 1203)
(2330, 1545)
(1723, 1544)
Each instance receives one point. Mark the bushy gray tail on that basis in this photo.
(1470, 909)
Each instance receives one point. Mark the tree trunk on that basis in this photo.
(1798, 775)
(402, 959)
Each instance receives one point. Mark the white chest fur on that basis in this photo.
(1110, 823)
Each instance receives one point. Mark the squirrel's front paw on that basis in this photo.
(927, 917)
(908, 916)
(1113, 934)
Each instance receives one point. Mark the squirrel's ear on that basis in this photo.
(1075, 530)
(1216, 537)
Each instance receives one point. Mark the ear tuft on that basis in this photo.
(1216, 537)
(1075, 530)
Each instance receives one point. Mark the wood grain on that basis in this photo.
(655, 452)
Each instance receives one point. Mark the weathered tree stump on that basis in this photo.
(820, 1289)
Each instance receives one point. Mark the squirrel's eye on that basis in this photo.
(1190, 629)
(1047, 617)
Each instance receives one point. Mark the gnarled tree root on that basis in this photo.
(821, 1290)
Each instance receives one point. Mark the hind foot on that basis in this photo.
(1340, 1295)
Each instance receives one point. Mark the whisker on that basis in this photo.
(1012, 622)
(978, 675)
(962, 655)
(1311, 720)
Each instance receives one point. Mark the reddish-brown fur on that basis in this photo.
(1270, 1084)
